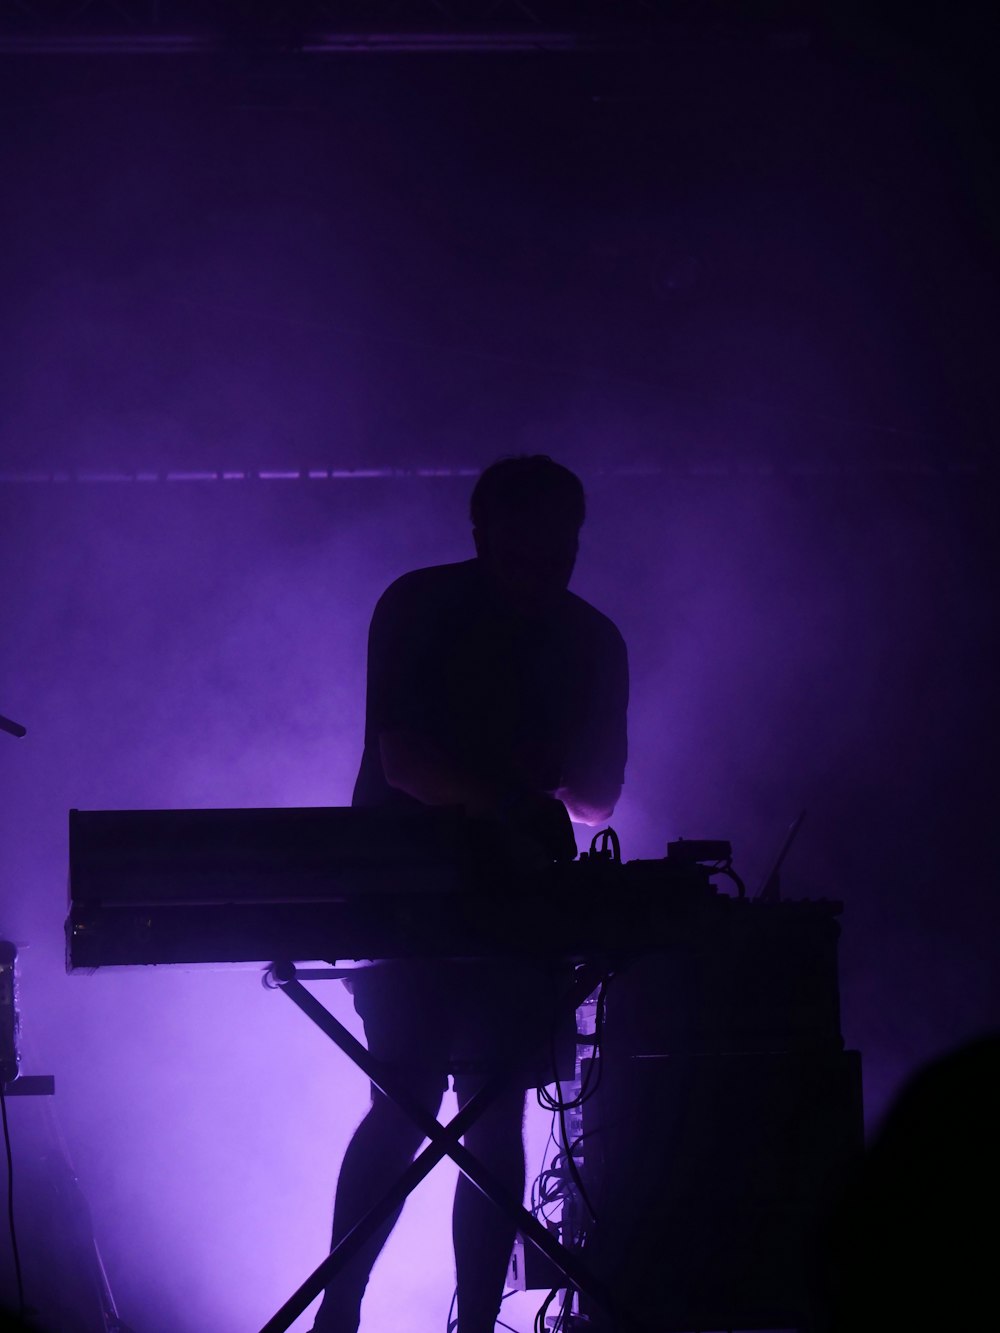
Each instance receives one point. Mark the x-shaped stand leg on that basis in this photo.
(444, 1142)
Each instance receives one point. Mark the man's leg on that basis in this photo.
(483, 1235)
(383, 1145)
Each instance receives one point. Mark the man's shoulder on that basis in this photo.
(586, 619)
(432, 586)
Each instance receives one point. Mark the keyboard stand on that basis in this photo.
(444, 1141)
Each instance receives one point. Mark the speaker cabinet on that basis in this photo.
(709, 1175)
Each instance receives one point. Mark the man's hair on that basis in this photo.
(527, 481)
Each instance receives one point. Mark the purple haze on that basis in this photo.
(749, 369)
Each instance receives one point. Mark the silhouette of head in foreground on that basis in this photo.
(913, 1244)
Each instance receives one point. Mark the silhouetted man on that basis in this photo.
(490, 686)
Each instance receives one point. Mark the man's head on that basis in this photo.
(526, 518)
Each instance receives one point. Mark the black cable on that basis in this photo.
(557, 1172)
(610, 848)
(560, 1324)
(543, 1310)
(537, 1199)
(543, 1193)
(574, 1172)
(452, 1321)
(741, 888)
(550, 1103)
(560, 1106)
(561, 1109)
(10, 1205)
(550, 1185)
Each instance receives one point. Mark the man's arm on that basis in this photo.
(592, 781)
(538, 825)
(401, 684)
(413, 764)
(590, 788)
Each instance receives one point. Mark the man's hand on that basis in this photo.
(590, 807)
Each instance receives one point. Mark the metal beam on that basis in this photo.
(904, 467)
(338, 27)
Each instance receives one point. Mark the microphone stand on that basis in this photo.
(8, 998)
(42, 1085)
(12, 728)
